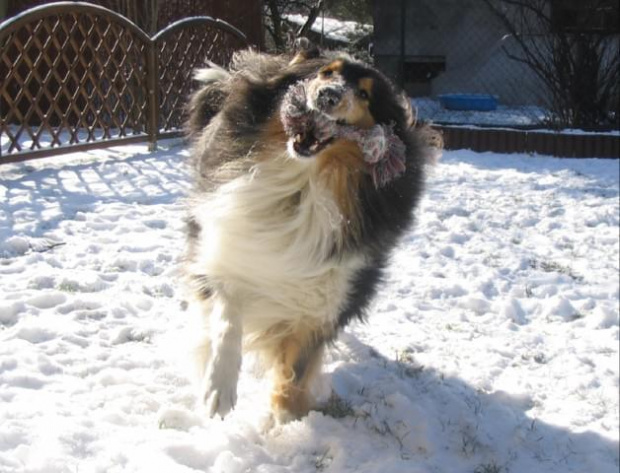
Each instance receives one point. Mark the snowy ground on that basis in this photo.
(493, 347)
(428, 109)
(333, 29)
(44, 139)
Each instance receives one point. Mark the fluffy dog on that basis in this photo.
(307, 171)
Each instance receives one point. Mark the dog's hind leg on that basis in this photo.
(297, 363)
(221, 374)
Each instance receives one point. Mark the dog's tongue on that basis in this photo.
(383, 151)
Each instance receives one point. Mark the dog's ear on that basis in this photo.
(304, 50)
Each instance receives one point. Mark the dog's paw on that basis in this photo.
(220, 401)
(220, 388)
(283, 416)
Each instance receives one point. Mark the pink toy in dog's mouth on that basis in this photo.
(311, 131)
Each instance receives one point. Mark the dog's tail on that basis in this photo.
(208, 100)
(431, 137)
(211, 73)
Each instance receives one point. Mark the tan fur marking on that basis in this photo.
(274, 131)
(273, 139)
(335, 66)
(289, 394)
(299, 58)
(341, 166)
(354, 110)
(365, 84)
(359, 115)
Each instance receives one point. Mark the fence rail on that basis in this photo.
(540, 142)
(78, 76)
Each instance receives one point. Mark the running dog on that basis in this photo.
(306, 173)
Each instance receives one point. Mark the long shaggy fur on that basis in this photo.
(285, 250)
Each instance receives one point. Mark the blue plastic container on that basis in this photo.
(481, 102)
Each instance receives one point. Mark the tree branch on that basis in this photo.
(312, 16)
(276, 21)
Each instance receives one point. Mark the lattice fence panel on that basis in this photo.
(71, 77)
(81, 76)
(180, 51)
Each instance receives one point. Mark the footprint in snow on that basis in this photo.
(9, 313)
(47, 301)
(35, 334)
(132, 334)
(83, 282)
(156, 223)
(79, 305)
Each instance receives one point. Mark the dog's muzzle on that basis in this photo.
(328, 98)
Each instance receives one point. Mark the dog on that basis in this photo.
(306, 172)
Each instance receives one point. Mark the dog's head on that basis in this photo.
(346, 92)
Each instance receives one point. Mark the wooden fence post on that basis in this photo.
(152, 71)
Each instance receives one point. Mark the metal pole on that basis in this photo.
(403, 11)
(322, 25)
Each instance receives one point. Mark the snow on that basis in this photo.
(503, 117)
(332, 28)
(492, 347)
(30, 138)
(431, 110)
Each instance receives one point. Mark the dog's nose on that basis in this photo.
(328, 98)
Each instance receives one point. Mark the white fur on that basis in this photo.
(269, 260)
(213, 73)
(222, 372)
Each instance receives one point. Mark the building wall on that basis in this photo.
(466, 36)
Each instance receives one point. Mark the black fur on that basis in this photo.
(364, 287)
(386, 212)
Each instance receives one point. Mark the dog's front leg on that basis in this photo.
(222, 372)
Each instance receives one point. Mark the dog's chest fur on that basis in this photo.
(269, 238)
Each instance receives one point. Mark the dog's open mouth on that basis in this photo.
(309, 130)
(308, 144)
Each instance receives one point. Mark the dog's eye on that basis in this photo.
(362, 94)
(327, 73)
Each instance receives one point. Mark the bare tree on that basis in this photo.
(143, 13)
(577, 60)
(275, 11)
(4, 6)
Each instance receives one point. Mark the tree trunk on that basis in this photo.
(312, 16)
(276, 20)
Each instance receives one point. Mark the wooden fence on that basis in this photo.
(77, 76)
(154, 15)
(565, 145)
